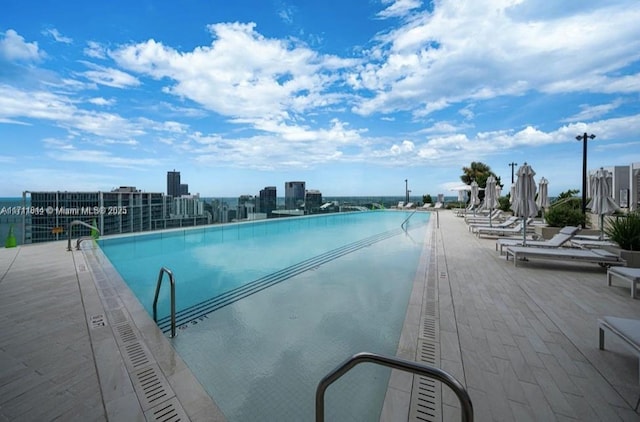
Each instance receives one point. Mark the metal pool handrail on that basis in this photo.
(75, 223)
(406, 220)
(396, 363)
(164, 270)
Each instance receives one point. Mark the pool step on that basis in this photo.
(194, 312)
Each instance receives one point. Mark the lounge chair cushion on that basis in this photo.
(569, 230)
(629, 328)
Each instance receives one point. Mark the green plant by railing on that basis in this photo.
(625, 231)
(564, 215)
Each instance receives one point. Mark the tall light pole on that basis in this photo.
(584, 138)
(406, 191)
(512, 164)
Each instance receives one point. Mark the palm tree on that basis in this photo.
(479, 172)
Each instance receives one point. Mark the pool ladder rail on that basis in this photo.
(395, 363)
(169, 273)
(404, 223)
(80, 239)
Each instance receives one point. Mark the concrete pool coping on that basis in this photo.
(523, 340)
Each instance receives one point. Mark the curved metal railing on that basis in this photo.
(169, 273)
(79, 223)
(396, 363)
(406, 220)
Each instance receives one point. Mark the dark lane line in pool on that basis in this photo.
(192, 314)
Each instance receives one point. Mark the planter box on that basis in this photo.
(632, 258)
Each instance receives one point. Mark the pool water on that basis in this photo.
(261, 357)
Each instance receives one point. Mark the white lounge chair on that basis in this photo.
(632, 275)
(597, 256)
(495, 215)
(627, 330)
(563, 236)
(590, 244)
(498, 224)
(500, 231)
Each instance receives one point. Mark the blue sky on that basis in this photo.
(352, 97)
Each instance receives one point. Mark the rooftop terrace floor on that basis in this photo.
(76, 345)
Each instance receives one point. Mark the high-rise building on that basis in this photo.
(173, 183)
(246, 206)
(123, 210)
(184, 189)
(188, 206)
(293, 194)
(312, 201)
(268, 200)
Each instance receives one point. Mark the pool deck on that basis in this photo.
(523, 340)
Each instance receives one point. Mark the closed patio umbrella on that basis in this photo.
(601, 201)
(490, 199)
(543, 195)
(524, 204)
(475, 199)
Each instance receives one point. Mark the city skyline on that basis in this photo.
(354, 101)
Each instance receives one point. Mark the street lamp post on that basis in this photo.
(584, 138)
(406, 191)
(513, 165)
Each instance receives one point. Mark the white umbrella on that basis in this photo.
(512, 193)
(543, 195)
(490, 199)
(601, 201)
(475, 199)
(524, 205)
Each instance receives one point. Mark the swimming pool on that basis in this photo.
(331, 286)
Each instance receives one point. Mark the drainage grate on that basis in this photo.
(125, 333)
(168, 411)
(135, 355)
(426, 406)
(151, 386)
(427, 393)
(429, 329)
(117, 316)
(428, 352)
(430, 308)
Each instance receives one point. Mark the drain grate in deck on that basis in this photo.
(168, 411)
(151, 386)
(125, 333)
(135, 355)
(427, 393)
(117, 316)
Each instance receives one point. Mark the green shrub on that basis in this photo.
(564, 215)
(505, 205)
(625, 231)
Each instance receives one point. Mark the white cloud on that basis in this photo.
(56, 35)
(110, 77)
(242, 75)
(95, 50)
(399, 8)
(62, 111)
(14, 47)
(464, 51)
(589, 112)
(62, 151)
(102, 101)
